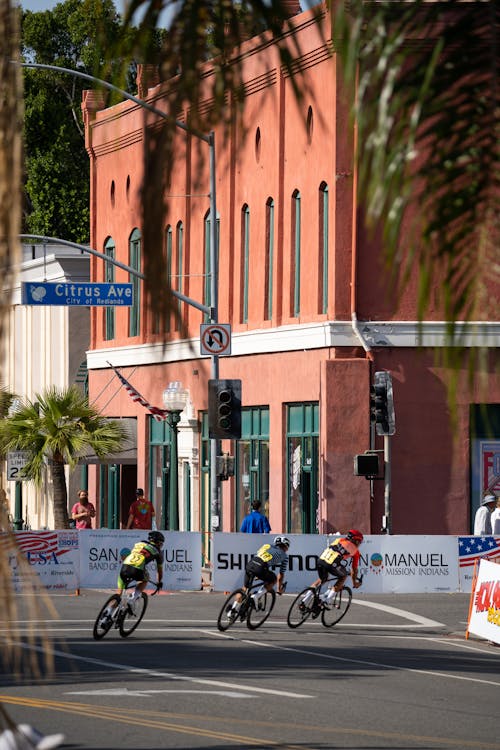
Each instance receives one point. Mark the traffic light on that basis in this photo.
(382, 404)
(224, 409)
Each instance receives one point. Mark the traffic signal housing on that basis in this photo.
(382, 404)
(224, 409)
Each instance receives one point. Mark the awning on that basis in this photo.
(128, 453)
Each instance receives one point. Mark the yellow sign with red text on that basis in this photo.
(484, 619)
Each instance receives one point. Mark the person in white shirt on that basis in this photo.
(495, 519)
(482, 520)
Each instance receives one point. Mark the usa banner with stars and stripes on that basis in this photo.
(155, 411)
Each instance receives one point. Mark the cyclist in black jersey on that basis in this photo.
(267, 557)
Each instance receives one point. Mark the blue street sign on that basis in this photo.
(84, 293)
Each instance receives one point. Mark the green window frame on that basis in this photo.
(134, 326)
(159, 475)
(178, 283)
(109, 277)
(302, 446)
(295, 256)
(323, 249)
(269, 260)
(207, 290)
(252, 462)
(245, 261)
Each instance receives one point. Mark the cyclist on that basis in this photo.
(134, 566)
(259, 566)
(341, 555)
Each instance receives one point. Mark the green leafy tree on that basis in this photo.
(58, 428)
(74, 35)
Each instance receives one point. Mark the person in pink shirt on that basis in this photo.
(141, 512)
(83, 511)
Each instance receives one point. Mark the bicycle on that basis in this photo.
(255, 607)
(127, 613)
(309, 603)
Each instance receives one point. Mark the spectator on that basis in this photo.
(83, 511)
(482, 520)
(495, 519)
(255, 522)
(141, 513)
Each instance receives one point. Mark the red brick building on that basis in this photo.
(304, 290)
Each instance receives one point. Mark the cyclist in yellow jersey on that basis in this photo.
(259, 566)
(134, 566)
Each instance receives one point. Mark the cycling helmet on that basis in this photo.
(156, 538)
(355, 536)
(282, 540)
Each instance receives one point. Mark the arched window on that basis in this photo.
(269, 260)
(323, 249)
(245, 259)
(295, 257)
(134, 320)
(109, 277)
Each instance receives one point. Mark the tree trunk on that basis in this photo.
(61, 519)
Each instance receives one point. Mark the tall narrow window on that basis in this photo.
(207, 286)
(269, 260)
(168, 260)
(245, 258)
(295, 257)
(109, 277)
(134, 320)
(177, 282)
(323, 249)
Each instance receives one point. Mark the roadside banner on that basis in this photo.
(389, 564)
(103, 550)
(484, 618)
(54, 557)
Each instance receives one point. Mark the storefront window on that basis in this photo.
(302, 474)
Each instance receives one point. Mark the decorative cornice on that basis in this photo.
(324, 335)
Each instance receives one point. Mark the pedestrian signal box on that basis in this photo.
(367, 465)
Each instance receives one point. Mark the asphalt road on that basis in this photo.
(397, 672)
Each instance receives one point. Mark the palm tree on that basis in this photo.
(58, 428)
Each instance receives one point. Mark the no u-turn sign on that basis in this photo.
(215, 338)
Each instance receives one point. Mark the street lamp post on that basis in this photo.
(174, 399)
(209, 139)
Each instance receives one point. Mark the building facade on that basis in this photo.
(44, 346)
(312, 319)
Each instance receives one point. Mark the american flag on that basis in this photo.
(472, 548)
(158, 414)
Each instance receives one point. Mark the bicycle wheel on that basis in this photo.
(258, 614)
(129, 620)
(335, 610)
(103, 620)
(300, 609)
(229, 614)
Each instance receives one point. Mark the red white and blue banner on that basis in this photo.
(472, 549)
(54, 557)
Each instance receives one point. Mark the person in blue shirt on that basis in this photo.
(255, 522)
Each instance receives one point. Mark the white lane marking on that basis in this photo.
(423, 621)
(144, 693)
(366, 662)
(162, 675)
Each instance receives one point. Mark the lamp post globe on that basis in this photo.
(174, 399)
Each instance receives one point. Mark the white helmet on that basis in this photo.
(282, 541)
